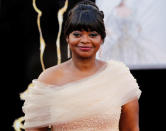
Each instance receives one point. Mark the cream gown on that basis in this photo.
(90, 104)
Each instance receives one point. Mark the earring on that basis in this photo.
(68, 51)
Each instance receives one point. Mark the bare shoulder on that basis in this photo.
(51, 74)
(47, 74)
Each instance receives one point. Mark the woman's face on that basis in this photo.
(84, 44)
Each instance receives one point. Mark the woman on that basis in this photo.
(83, 94)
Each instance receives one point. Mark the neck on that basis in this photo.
(84, 64)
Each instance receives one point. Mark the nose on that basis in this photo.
(85, 39)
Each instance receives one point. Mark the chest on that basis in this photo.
(69, 77)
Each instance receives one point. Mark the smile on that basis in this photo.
(85, 48)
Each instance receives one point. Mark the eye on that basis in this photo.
(76, 34)
(93, 34)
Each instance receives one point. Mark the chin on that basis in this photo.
(84, 54)
(87, 56)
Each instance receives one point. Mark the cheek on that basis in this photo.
(98, 42)
(72, 41)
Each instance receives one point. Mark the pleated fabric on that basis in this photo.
(92, 103)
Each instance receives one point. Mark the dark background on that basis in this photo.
(20, 63)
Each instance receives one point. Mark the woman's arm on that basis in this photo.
(37, 129)
(129, 120)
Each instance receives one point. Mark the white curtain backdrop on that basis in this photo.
(138, 40)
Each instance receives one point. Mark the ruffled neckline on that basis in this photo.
(79, 81)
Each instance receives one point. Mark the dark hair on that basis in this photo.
(85, 16)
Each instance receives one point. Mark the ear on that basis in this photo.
(102, 41)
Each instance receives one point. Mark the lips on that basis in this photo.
(85, 48)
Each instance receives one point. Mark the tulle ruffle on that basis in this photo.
(101, 95)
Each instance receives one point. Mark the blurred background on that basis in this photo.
(20, 54)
